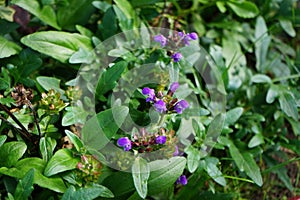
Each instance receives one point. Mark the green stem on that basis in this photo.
(237, 178)
(286, 78)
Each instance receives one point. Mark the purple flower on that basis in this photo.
(192, 36)
(125, 143)
(181, 34)
(150, 93)
(174, 86)
(182, 180)
(160, 106)
(161, 139)
(176, 152)
(176, 57)
(181, 106)
(161, 39)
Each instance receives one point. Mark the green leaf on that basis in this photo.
(62, 160)
(260, 78)
(82, 56)
(44, 13)
(47, 146)
(108, 79)
(29, 62)
(213, 171)
(50, 83)
(7, 13)
(256, 140)
(287, 26)
(221, 6)
(23, 166)
(272, 94)
(2, 139)
(243, 160)
(233, 115)
(193, 158)
(67, 14)
(25, 186)
(8, 48)
(244, 9)
(126, 8)
(75, 140)
(87, 193)
(74, 115)
(11, 152)
(140, 175)
(164, 173)
(262, 42)
(57, 44)
(103, 6)
(99, 130)
(288, 105)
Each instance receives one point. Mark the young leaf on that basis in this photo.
(61, 161)
(25, 186)
(233, 115)
(74, 115)
(50, 83)
(11, 152)
(75, 140)
(108, 79)
(288, 105)
(98, 131)
(213, 170)
(57, 44)
(47, 146)
(272, 94)
(8, 48)
(260, 78)
(287, 26)
(193, 158)
(140, 175)
(256, 140)
(262, 42)
(244, 9)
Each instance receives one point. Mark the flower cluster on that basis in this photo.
(165, 103)
(89, 168)
(179, 39)
(143, 142)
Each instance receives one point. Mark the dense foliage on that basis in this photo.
(149, 99)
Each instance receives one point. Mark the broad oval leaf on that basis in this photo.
(164, 173)
(57, 44)
(233, 115)
(11, 152)
(261, 78)
(62, 160)
(193, 158)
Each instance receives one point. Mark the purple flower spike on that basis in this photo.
(174, 86)
(150, 93)
(161, 39)
(125, 143)
(176, 57)
(181, 106)
(193, 36)
(161, 139)
(182, 180)
(160, 106)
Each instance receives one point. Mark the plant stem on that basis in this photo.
(286, 78)
(24, 131)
